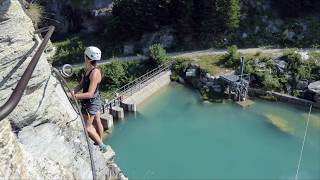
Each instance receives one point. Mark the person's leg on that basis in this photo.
(91, 130)
(99, 125)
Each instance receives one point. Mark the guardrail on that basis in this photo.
(17, 93)
(136, 85)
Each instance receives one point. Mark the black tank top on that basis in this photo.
(85, 88)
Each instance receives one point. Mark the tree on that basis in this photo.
(139, 16)
(114, 75)
(158, 54)
(181, 12)
(297, 68)
(296, 8)
(206, 23)
(229, 12)
(232, 58)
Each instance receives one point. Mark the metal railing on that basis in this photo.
(136, 85)
(17, 93)
(77, 108)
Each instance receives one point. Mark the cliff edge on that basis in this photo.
(43, 137)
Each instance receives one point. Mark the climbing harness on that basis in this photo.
(303, 142)
(76, 106)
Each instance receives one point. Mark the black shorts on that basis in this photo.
(91, 107)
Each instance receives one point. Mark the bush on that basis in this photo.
(271, 83)
(158, 54)
(114, 75)
(34, 11)
(180, 66)
(232, 58)
(69, 51)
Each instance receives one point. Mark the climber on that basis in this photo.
(90, 96)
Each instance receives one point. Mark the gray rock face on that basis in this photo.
(164, 37)
(43, 137)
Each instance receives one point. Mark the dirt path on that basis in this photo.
(275, 52)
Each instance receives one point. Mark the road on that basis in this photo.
(275, 52)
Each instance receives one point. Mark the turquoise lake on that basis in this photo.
(175, 135)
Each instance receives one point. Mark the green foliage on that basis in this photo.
(69, 51)
(139, 16)
(180, 67)
(211, 64)
(158, 54)
(229, 11)
(34, 11)
(114, 75)
(270, 83)
(232, 58)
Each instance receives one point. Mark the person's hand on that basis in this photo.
(70, 94)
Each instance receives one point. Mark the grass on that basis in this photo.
(211, 64)
(35, 11)
(315, 55)
(214, 64)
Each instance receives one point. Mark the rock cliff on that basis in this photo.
(43, 137)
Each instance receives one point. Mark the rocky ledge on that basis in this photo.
(43, 137)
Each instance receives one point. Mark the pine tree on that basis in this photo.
(205, 18)
(181, 12)
(229, 13)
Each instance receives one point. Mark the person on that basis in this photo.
(90, 96)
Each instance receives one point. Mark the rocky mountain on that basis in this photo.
(43, 137)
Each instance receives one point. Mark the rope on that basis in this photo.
(303, 142)
(63, 81)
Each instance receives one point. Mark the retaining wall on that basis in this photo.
(283, 97)
(153, 85)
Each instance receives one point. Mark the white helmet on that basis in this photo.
(93, 53)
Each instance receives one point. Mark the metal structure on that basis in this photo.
(136, 85)
(237, 84)
(17, 93)
(77, 108)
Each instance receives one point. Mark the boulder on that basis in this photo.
(280, 64)
(302, 85)
(314, 87)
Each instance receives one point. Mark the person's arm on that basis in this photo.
(94, 78)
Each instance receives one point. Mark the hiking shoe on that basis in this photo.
(103, 148)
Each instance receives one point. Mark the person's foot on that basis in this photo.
(103, 148)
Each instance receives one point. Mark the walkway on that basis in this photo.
(275, 52)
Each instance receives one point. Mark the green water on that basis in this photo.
(177, 136)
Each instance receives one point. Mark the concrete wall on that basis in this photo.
(282, 97)
(153, 85)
